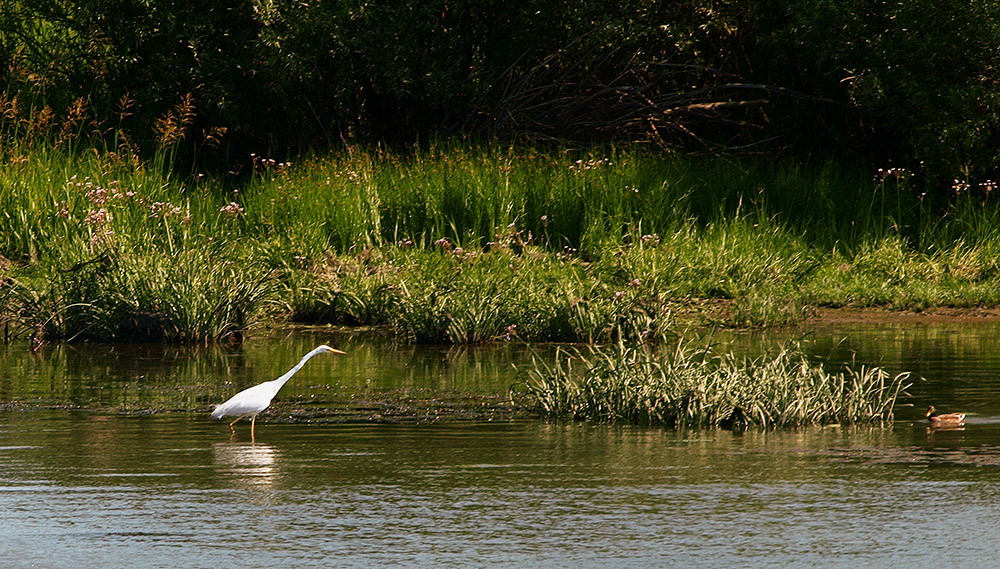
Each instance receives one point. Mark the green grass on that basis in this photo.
(696, 386)
(194, 294)
(465, 244)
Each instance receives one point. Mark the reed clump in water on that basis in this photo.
(697, 386)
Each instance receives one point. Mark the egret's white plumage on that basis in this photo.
(253, 400)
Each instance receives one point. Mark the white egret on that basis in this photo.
(253, 400)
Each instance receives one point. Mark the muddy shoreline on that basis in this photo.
(883, 316)
(388, 409)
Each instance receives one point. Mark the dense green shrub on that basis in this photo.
(892, 84)
(921, 77)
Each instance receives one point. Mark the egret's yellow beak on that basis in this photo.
(335, 351)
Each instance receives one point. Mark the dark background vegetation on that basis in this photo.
(880, 83)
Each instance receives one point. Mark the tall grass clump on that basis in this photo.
(695, 386)
(468, 195)
(106, 249)
(449, 294)
(752, 262)
(193, 295)
(313, 206)
(465, 244)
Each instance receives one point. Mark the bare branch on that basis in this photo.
(608, 95)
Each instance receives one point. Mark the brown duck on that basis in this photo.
(944, 418)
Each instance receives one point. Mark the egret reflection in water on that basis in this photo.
(252, 463)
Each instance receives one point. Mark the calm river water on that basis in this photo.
(125, 482)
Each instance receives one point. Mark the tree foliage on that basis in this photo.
(909, 84)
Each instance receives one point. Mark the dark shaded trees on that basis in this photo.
(909, 84)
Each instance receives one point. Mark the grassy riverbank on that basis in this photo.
(472, 245)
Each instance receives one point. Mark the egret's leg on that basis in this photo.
(231, 427)
(253, 421)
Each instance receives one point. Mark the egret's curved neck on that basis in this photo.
(288, 375)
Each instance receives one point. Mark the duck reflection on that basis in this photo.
(253, 464)
(944, 428)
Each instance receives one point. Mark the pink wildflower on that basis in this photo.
(232, 210)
